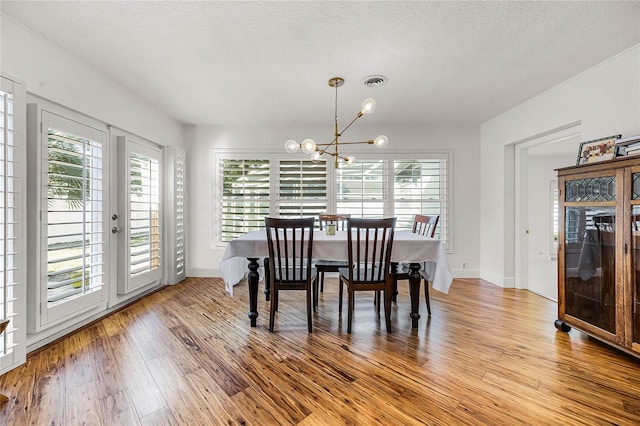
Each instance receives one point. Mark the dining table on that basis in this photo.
(420, 252)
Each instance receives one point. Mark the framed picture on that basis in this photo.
(598, 150)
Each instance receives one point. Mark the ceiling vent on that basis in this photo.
(374, 81)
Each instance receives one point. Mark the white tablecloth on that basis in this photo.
(407, 248)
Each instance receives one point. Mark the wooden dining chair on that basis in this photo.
(290, 243)
(323, 265)
(423, 225)
(369, 245)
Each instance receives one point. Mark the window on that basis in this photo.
(372, 187)
(361, 189)
(144, 222)
(302, 188)
(74, 229)
(417, 186)
(244, 185)
(140, 242)
(420, 187)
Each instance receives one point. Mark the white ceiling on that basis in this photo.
(268, 62)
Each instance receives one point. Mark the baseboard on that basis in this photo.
(465, 273)
(499, 280)
(203, 273)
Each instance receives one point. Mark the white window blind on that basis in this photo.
(371, 187)
(75, 234)
(302, 188)
(361, 189)
(420, 186)
(180, 170)
(245, 201)
(12, 351)
(144, 198)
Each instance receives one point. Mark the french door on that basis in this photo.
(98, 208)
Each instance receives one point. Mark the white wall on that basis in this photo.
(54, 74)
(604, 99)
(203, 258)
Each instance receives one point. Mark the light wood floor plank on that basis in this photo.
(118, 410)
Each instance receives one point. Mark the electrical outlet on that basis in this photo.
(464, 264)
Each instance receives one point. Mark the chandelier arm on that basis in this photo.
(349, 125)
(370, 142)
(333, 142)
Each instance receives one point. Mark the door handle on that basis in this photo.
(115, 229)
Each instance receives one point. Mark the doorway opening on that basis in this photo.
(536, 196)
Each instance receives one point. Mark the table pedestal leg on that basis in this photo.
(253, 278)
(414, 292)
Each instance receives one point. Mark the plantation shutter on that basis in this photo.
(302, 188)
(12, 226)
(361, 188)
(140, 243)
(180, 175)
(174, 193)
(74, 224)
(245, 196)
(144, 228)
(421, 187)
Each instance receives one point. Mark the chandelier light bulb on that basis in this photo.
(315, 155)
(368, 106)
(349, 160)
(291, 146)
(381, 141)
(308, 146)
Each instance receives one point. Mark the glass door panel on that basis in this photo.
(74, 220)
(140, 240)
(635, 261)
(590, 265)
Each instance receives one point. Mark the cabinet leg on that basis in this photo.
(562, 326)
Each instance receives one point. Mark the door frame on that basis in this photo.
(521, 148)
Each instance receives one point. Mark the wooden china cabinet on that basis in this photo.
(599, 251)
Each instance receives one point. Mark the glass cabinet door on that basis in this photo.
(635, 261)
(635, 257)
(590, 252)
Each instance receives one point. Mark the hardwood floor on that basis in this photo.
(186, 355)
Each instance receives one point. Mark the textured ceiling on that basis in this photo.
(268, 63)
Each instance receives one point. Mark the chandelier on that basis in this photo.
(309, 146)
